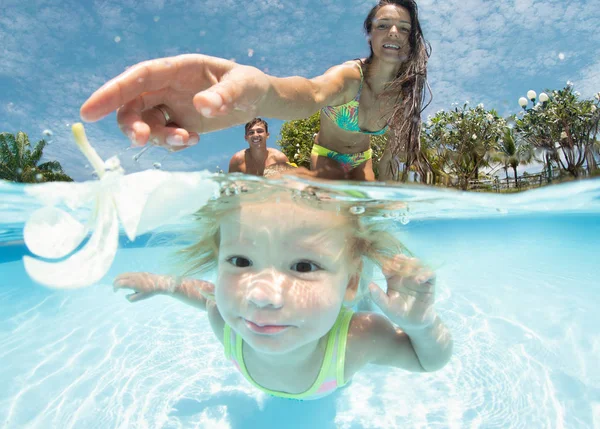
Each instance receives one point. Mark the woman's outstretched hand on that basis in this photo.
(410, 298)
(170, 101)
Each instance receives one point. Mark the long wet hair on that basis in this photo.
(409, 88)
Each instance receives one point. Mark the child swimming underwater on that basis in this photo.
(288, 272)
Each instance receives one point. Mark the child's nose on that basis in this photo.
(266, 290)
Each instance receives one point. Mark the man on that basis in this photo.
(258, 156)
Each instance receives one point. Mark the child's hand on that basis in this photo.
(145, 285)
(409, 302)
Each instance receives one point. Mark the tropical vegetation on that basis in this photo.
(20, 162)
(465, 144)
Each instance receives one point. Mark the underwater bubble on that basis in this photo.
(156, 18)
(157, 165)
(117, 39)
(357, 210)
(250, 52)
(561, 56)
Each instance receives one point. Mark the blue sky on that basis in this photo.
(54, 54)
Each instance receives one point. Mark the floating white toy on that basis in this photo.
(141, 201)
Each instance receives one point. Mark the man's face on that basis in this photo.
(257, 135)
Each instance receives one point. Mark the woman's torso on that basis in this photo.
(373, 114)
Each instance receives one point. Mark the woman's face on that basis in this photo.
(390, 34)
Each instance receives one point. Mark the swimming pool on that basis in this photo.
(518, 287)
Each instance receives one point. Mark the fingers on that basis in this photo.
(379, 297)
(138, 296)
(144, 77)
(408, 273)
(238, 89)
(141, 122)
(140, 282)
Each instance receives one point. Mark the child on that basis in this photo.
(287, 274)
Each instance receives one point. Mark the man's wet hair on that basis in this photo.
(255, 121)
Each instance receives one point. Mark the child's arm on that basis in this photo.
(412, 336)
(191, 291)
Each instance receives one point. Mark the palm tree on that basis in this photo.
(19, 163)
(512, 153)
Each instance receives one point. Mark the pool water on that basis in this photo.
(518, 286)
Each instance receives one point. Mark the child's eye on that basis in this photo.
(239, 261)
(305, 267)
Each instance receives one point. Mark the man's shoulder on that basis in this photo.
(276, 153)
(239, 156)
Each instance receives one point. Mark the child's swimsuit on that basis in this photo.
(345, 116)
(331, 374)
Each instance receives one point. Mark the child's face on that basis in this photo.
(283, 273)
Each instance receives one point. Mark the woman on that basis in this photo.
(172, 100)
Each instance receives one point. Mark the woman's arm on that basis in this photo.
(145, 285)
(298, 97)
(199, 94)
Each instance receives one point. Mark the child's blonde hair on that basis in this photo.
(368, 227)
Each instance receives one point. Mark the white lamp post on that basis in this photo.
(523, 102)
(531, 95)
(544, 97)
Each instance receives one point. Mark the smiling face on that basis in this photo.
(257, 135)
(390, 34)
(283, 274)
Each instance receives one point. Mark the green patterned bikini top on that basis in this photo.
(345, 116)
